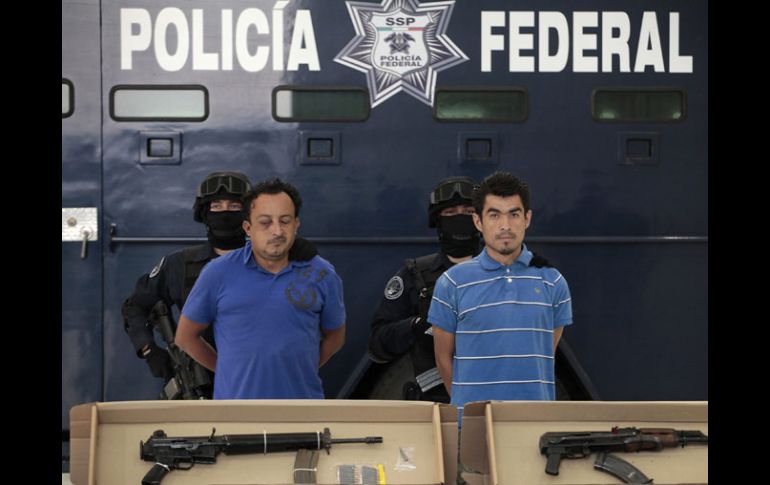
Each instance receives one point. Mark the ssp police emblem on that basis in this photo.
(394, 288)
(401, 45)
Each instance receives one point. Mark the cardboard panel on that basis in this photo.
(450, 441)
(111, 454)
(510, 432)
(80, 442)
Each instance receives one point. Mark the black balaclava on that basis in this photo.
(225, 229)
(458, 235)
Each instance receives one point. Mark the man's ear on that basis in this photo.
(477, 221)
(529, 218)
(246, 226)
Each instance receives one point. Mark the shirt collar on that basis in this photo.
(247, 258)
(490, 264)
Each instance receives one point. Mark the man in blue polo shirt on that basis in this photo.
(275, 321)
(496, 319)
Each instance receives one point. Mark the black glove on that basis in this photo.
(538, 261)
(420, 326)
(302, 250)
(159, 362)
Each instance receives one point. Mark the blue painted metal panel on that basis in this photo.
(81, 187)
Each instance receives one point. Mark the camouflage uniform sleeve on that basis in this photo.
(391, 331)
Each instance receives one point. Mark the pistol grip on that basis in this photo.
(552, 465)
(156, 474)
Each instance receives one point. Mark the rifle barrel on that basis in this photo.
(687, 437)
(367, 440)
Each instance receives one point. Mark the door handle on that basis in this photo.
(84, 246)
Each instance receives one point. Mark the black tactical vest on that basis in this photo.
(422, 354)
(192, 269)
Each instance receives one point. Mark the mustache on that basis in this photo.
(504, 234)
(277, 239)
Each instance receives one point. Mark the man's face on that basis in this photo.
(503, 223)
(272, 226)
(222, 205)
(456, 210)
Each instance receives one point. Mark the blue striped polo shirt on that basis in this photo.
(503, 318)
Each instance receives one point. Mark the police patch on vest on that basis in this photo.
(156, 269)
(394, 288)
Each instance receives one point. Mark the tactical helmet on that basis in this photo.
(449, 192)
(219, 185)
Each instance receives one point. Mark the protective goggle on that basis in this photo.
(231, 184)
(445, 192)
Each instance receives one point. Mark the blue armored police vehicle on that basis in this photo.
(601, 106)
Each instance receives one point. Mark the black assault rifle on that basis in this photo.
(580, 444)
(182, 453)
(190, 380)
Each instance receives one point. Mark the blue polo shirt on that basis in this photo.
(267, 326)
(503, 318)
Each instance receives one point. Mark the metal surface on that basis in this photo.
(77, 222)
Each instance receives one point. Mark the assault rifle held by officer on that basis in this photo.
(190, 380)
(580, 444)
(181, 453)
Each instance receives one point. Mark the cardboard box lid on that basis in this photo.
(518, 425)
(450, 440)
(105, 438)
(80, 442)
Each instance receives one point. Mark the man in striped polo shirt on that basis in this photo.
(496, 318)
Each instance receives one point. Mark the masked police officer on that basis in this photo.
(218, 207)
(400, 335)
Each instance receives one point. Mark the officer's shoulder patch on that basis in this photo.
(394, 288)
(157, 268)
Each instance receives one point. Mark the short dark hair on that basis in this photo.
(271, 186)
(501, 184)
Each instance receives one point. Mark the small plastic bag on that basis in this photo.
(405, 458)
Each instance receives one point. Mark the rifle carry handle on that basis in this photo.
(156, 474)
(552, 465)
